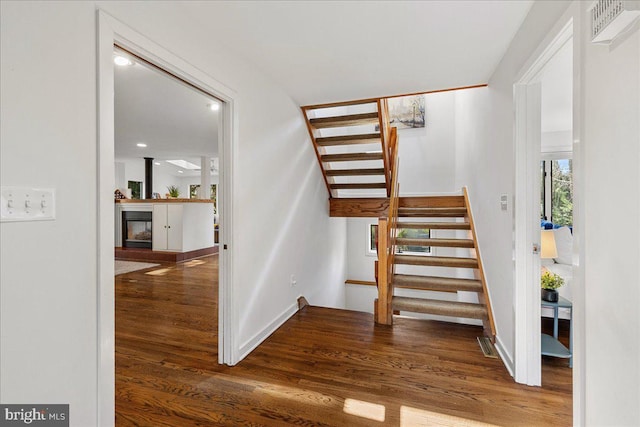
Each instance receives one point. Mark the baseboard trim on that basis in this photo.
(507, 360)
(258, 338)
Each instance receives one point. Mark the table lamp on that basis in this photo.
(548, 244)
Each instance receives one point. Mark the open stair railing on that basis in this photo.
(458, 210)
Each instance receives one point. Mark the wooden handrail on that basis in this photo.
(385, 136)
(489, 325)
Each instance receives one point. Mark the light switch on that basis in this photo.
(504, 202)
(27, 204)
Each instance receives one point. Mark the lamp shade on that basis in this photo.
(548, 244)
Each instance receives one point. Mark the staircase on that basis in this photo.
(357, 152)
(440, 215)
(352, 141)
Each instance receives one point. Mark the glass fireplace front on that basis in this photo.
(136, 229)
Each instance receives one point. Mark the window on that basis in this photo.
(136, 189)
(193, 193)
(421, 233)
(556, 199)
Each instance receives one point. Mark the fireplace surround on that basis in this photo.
(136, 229)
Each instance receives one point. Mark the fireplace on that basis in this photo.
(136, 229)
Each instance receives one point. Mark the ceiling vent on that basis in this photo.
(610, 18)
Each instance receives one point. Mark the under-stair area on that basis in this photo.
(357, 150)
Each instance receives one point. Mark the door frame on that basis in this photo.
(111, 32)
(527, 103)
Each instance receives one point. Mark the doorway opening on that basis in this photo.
(113, 33)
(544, 99)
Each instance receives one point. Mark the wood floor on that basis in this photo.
(324, 367)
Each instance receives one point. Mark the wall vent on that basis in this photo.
(610, 18)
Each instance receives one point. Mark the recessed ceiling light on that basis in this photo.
(214, 106)
(122, 61)
(157, 163)
(141, 144)
(180, 171)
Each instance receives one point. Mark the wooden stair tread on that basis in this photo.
(452, 243)
(432, 212)
(433, 283)
(436, 261)
(435, 225)
(347, 157)
(354, 172)
(358, 186)
(348, 120)
(439, 307)
(367, 138)
(432, 202)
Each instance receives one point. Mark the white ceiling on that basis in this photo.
(327, 51)
(317, 51)
(170, 117)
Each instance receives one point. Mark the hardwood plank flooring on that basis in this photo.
(323, 367)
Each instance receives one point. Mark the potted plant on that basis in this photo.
(550, 282)
(174, 191)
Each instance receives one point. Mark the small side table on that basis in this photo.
(550, 345)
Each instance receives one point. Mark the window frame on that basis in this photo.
(546, 160)
(371, 251)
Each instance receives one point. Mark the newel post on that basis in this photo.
(383, 315)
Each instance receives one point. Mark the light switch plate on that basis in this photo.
(27, 204)
(504, 202)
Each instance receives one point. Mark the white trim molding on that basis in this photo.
(110, 32)
(506, 357)
(253, 342)
(527, 102)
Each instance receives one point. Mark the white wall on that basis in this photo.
(187, 181)
(607, 386)
(611, 141)
(48, 276)
(133, 170)
(427, 155)
(485, 163)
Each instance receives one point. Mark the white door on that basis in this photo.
(174, 227)
(159, 227)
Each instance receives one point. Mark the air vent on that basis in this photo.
(610, 18)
